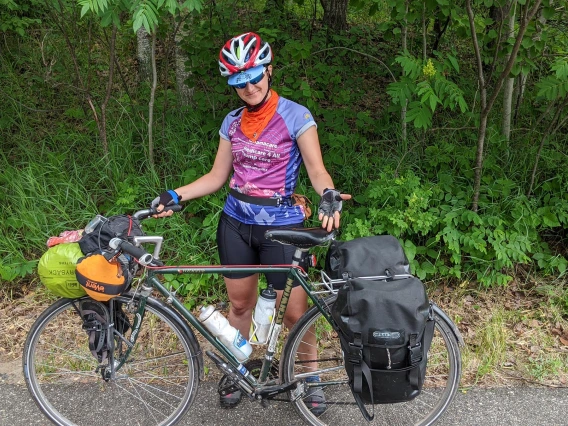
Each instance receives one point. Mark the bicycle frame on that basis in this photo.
(294, 273)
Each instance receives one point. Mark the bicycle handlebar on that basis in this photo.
(144, 258)
(146, 213)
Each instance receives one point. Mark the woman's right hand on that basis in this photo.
(330, 207)
(165, 199)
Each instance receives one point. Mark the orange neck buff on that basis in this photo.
(253, 123)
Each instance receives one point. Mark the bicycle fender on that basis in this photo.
(450, 323)
(179, 320)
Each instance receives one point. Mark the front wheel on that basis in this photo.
(155, 386)
(440, 385)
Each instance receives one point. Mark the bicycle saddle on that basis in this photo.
(300, 237)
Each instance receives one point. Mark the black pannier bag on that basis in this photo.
(385, 326)
(380, 255)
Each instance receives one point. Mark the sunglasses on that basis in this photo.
(255, 80)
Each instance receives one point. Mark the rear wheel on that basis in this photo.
(155, 386)
(441, 382)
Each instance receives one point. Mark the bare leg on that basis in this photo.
(242, 293)
(297, 306)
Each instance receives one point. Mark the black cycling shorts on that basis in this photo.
(241, 244)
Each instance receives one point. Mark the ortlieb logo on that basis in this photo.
(94, 286)
(386, 335)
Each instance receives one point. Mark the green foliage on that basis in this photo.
(424, 86)
(554, 86)
(144, 13)
(13, 271)
(55, 176)
(442, 237)
(15, 16)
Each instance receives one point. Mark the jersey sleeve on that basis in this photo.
(229, 119)
(297, 117)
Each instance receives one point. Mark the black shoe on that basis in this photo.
(229, 395)
(231, 400)
(315, 400)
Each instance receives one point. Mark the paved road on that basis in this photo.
(503, 407)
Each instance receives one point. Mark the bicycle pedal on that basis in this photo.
(269, 391)
(299, 392)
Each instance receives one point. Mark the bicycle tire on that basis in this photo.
(441, 382)
(155, 386)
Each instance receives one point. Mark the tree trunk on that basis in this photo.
(151, 103)
(112, 43)
(424, 35)
(519, 93)
(403, 123)
(509, 84)
(487, 104)
(335, 14)
(439, 30)
(143, 55)
(184, 92)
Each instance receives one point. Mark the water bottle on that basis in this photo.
(263, 314)
(94, 223)
(218, 325)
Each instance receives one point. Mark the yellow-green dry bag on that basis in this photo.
(56, 270)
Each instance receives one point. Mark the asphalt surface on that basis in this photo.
(479, 407)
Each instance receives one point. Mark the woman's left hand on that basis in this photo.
(330, 207)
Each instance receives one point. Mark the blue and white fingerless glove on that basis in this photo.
(167, 198)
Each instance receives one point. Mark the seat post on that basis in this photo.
(297, 257)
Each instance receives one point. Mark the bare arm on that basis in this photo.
(311, 154)
(310, 149)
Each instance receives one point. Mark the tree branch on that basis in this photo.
(512, 58)
(477, 52)
(360, 53)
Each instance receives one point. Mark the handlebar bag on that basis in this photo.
(380, 255)
(121, 226)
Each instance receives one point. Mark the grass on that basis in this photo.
(492, 346)
(513, 335)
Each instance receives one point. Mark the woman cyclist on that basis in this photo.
(263, 144)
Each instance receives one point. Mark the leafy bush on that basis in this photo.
(443, 237)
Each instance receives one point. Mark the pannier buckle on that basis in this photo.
(93, 326)
(415, 353)
(355, 354)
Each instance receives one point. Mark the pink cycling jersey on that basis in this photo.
(269, 167)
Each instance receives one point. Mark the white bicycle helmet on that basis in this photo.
(243, 52)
